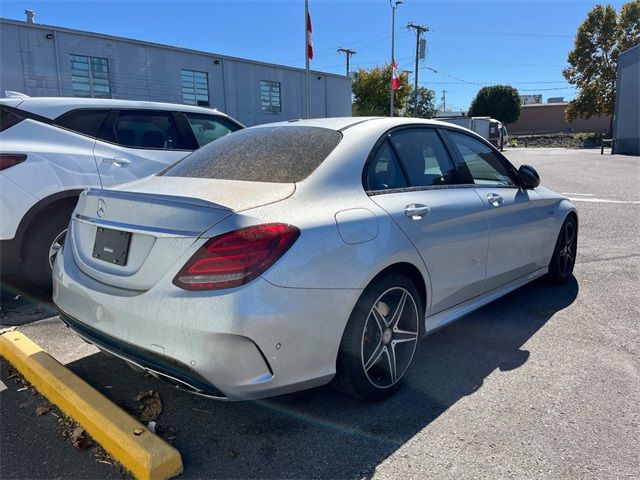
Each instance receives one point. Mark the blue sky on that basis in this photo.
(471, 43)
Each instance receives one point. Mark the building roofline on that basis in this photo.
(42, 26)
(529, 105)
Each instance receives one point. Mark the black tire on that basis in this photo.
(368, 334)
(564, 254)
(44, 229)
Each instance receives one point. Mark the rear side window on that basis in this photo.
(207, 128)
(385, 172)
(8, 118)
(265, 154)
(424, 157)
(86, 122)
(148, 129)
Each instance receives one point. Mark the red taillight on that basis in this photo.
(10, 159)
(237, 257)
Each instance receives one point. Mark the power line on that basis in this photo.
(348, 52)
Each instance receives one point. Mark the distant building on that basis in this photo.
(44, 60)
(531, 99)
(549, 118)
(626, 124)
(555, 100)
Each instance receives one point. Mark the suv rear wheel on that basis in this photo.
(42, 242)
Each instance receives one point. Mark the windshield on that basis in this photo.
(284, 154)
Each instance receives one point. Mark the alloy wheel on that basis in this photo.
(567, 252)
(390, 337)
(56, 246)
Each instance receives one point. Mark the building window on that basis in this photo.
(270, 97)
(90, 76)
(195, 88)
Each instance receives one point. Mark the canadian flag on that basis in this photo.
(395, 81)
(309, 37)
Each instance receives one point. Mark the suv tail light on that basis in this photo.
(237, 257)
(10, 159)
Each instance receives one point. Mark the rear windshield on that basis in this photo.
(266, 154)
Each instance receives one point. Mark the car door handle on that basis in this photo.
(416, 211)
(117, 161)
(495, 199)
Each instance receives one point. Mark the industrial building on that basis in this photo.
(44, 60)
(539, 118)
(626, 121)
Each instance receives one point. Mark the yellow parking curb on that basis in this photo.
(146, 455)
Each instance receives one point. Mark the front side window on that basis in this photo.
(270, 97)
(263, 154)
(484, 165)
(90, 77)
(424, 157)
(144, 129)
(195, 87)
(207, 128)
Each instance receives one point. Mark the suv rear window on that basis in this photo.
(87, 122)
(266, 154)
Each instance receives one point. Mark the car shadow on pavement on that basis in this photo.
(321, 433)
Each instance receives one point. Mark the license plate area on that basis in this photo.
(111, 246)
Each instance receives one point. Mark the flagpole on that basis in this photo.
(306, 59)
(393, 28)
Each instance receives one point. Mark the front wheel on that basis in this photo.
(564, 255)
(380, 339)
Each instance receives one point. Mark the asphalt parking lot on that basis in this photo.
(543, 383)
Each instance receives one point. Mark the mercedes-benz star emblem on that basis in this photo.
(102, 208)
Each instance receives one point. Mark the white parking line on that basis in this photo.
(604, 200)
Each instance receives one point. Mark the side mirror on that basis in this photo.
(528, 176)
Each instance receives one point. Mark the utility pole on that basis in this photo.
(348, 53)
(444, 101)
(420, 29)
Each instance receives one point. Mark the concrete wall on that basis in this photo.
(39, 66)
(626, 126)
(549, 118)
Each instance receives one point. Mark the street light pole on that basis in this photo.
(394, 5)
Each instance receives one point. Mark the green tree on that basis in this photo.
(501, 102)
(594, 59)
(426, 104)
(371, 92)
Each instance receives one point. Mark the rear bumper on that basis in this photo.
(249, 342)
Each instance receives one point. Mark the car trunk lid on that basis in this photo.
(130, 237)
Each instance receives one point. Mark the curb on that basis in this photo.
(146, 455)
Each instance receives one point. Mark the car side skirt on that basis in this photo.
(442, 319)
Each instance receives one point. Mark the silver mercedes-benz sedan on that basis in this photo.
(290, 255)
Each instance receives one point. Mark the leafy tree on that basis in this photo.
(426, 104)
(371, 92)
(594, 58)
(501, 102)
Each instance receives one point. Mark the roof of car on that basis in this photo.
(344, 123)
(52, 107)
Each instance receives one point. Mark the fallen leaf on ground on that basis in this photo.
(232, 454)
(43, 410)
(169, 435)
(150, 405)
(78, 438)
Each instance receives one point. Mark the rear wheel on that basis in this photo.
(380, 340)
(43, 241)
(564, 255)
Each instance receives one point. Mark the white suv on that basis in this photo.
(53, 148)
